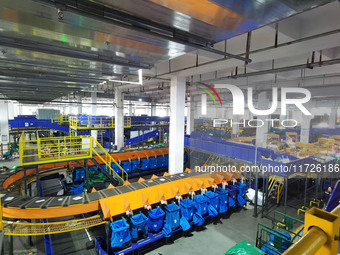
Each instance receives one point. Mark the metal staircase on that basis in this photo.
(275, 188)
(108, 160)
(213, 159)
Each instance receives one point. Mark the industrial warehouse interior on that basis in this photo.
(169, 127)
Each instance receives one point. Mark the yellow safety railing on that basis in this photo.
(272, 180)
(93, 122)
(34, 229)
(325, 146)
(66, 148)
(279, 190)
(60, 119)
(54, 149)
(107, 159)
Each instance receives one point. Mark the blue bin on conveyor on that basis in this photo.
(135, 164)
(161, 161)
(93, 168)
(223, 197)
(139, 227)
(172, 215)
(156, 220)
(121, 237)
(187, 208)
(166, 157)
(79, 174)
(232, 195)
(242, 188)
(201, 204)
(126, 165)
(116, 168)
(153, 163)
(144, 164)
(213, 199)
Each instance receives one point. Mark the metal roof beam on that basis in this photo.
(58, 67)
(24, 44)
(53, 77)
(109, 15)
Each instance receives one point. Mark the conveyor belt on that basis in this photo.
(33, 229)
(20, 207)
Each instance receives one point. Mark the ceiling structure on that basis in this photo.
(53, 48)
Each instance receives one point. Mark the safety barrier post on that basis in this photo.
(21, 147)
(58, 148)
(39, 147)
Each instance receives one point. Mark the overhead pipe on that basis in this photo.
(280, 69)
(256, 51)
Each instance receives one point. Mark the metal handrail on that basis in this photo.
(279, 189)
(112, 160)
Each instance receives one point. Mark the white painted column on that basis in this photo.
(79, 105)
(119, 118)
(305, 127)
(332, 118)
(94, 103)
(261, 132)
(236, 126)
(153, 109)
(176, 135)
(10, 110)
(64, 110)
(130, 109)
(168, 111)
(190, 117)
(20, 109)
(4, 129)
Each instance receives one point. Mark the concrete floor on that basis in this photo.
(10, 163)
